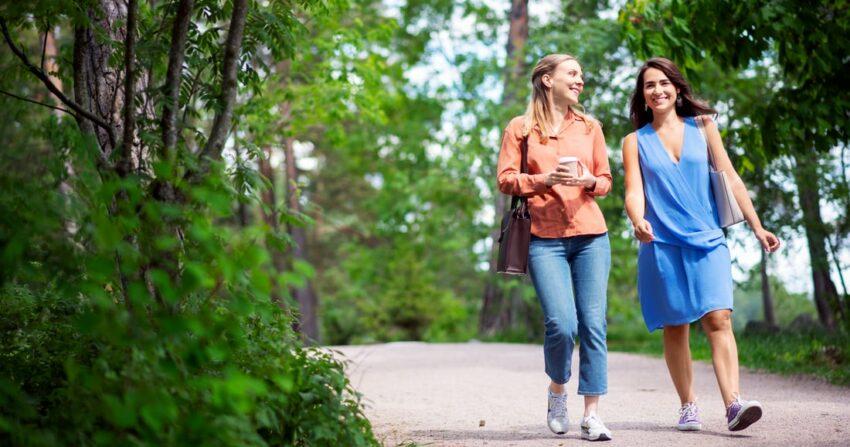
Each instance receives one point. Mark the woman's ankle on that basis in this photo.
(591, 403)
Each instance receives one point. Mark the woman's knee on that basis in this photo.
(593, 330)
(561, 328)
(718, 320)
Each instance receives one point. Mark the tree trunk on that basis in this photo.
(272, 217)
(826, 295)
(308, 301)
(99, 94)
(766, 293)
(515, 68)
(844, 304)
(242, 212)
(307, 323)
(496, 314)
(97, 85)
(125, 157)
(176, 56)
(229, 69)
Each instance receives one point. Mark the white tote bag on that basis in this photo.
(727, 207)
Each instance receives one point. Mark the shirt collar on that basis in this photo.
(568, 121)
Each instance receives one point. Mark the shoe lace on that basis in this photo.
(737, 400)
(559, 406)
(689, 410)
(592, 421)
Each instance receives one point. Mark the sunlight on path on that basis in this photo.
(439, 394)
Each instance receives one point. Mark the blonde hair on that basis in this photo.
(538, 112)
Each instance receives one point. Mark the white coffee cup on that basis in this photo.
(571, 163)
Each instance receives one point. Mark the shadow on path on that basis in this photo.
(650, 427)
(536, 432)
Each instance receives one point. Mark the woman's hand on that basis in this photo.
(587, 179)
(643, 231)
(563, 176)
(768, 240)
(566, 177)
(560, 176)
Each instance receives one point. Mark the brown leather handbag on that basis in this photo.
(516, 230)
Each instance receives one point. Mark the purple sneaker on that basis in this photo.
(689, 417)
(740, 414)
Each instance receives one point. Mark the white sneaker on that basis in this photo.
(556, 416)
(592, 429)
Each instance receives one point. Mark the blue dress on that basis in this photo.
(685, 272)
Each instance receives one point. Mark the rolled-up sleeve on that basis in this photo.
(511, 180)
(601, 169)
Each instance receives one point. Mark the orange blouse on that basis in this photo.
(559, 211)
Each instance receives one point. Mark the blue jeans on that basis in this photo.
(570, 276)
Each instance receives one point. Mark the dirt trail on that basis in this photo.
(438, 394)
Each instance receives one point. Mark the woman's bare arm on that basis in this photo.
(635, 199)
(722, 163)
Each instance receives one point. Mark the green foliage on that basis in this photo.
(388, 209)
(814, 353)
(390, 298)
(790, 352)
(787, 306)
(129, 317)
(215, 363)
(207, 377)
(738, 35)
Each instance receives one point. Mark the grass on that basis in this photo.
(814, 353)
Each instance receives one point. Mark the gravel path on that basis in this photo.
(439, 394)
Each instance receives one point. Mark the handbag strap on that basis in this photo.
(523, 169)
(701, 127)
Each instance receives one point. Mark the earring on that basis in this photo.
(679, 101)
(645, 107)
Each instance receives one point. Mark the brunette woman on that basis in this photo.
(684, 269)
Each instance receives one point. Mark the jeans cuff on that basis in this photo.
(592, 393)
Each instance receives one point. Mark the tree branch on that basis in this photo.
(36, 102)
(125, 156)
(41, 75)
(176, 56)
(80, 72)
(221, 124)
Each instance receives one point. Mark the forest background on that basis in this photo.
(194, 192)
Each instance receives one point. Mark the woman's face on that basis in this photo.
(566, 82)
(658, 91)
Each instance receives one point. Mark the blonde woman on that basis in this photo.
(569, 254)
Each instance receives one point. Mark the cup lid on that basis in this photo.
(567, 159)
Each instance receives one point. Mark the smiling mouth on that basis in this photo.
(660, 99)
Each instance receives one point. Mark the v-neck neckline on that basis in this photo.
(664, 148)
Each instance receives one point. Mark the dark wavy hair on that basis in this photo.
(640, 114)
